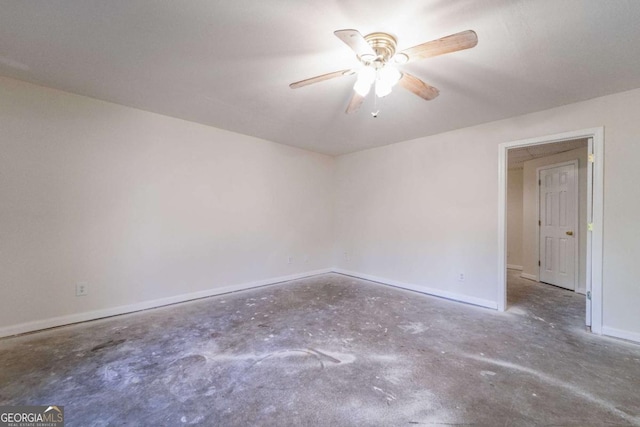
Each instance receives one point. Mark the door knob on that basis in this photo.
(569, 233)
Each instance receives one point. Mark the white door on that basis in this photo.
(558, 224)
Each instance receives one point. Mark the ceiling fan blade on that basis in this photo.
(453, 43)
(355, 41)
(417, 86)
(355, 103)
(321, 78)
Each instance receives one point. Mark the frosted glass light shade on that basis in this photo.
(383, 88)
(366, 77)
(362, 88)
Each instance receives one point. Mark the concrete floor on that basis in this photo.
(332, 350)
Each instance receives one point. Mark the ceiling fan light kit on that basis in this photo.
(376, 53)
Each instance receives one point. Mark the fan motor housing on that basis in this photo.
(383, 44)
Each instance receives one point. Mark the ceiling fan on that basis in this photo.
(377, 55)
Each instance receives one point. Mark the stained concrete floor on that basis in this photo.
(332, 350)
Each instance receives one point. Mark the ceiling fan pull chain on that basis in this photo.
(375, 111)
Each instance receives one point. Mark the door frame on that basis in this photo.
(594, 256)
(576, 218)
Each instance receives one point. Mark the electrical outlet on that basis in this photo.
(460, 277)
(306, 259)
(346, 256)
(289, 259)
(82, 289)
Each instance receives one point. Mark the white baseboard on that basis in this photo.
(514, 267)
(123, 309)
(529, 276)
(620, 333)
(422, 289)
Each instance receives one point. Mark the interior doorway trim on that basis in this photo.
(594, 256)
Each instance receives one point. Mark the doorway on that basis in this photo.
(591, 257)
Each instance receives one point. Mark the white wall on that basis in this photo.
(421, 211)
(143, 207)
(514, 218)
(530, 221)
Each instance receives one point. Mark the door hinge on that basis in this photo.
(590, 226)
(539, 223)
(539, 182)
(589, 295)
(539, 263)
(592, 158)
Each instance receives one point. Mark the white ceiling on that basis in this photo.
(517, 156)
(229, 63)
